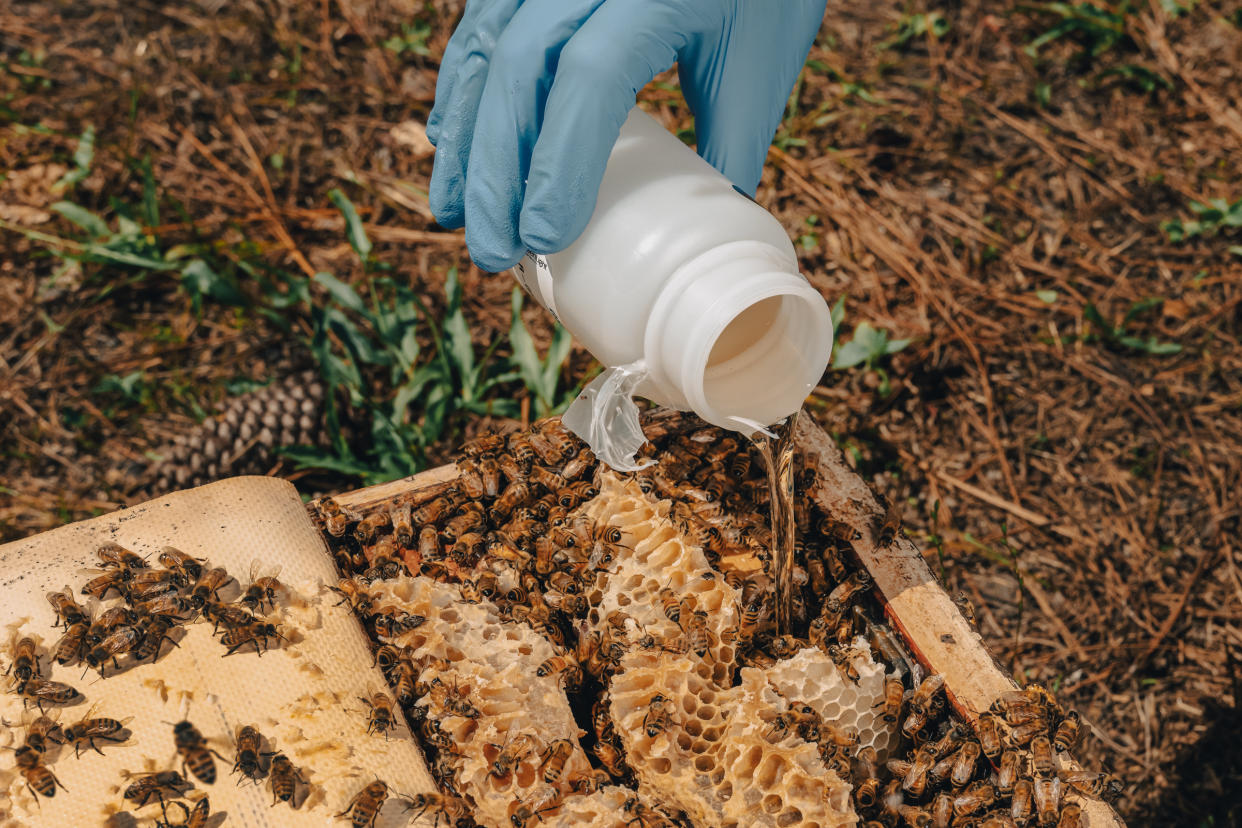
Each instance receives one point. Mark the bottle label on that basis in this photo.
(535, 276)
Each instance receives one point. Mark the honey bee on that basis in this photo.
(997, 819)
(513, 496)
(1047, 799)
(1071, 816)
(576, 494)
(819, 633)
(988, 732)
(389, 622)
(479, 588)
(1010, 770)
(169, 605)
(353, 594)
(429, 548)
(284, 778)
(190, 567)
(88, 729)
(913, 816)
(262, 589)
(1041, 755)
(256, 633)
(964, 764)
(39, 779)
(1092, 784)
(248, 760)
(894, 697)
(866, 777)
(25, 661)
(1022, 803)
(115, 556)
(44, 691)
(371, 525)
(553, 758)
(385, 563)
(610, 757)
(335, 520)
(114, 580)
(586, 782)
(554, 433)
(698, 637)
(915, 778)
(568, 671)
(195, 817)
(155, 786)
(452, 808)
(510, 755)
(42, 733)
(886, 527)
(487, 442)
(1022, 734)
(942, 811)
(657, 718)
(521, 814)
(363, 809)
(195, 754)
(639, 815)
(208, 587)
(229, 616)
(948, 742)
(154, 581)
(404, 681)
(973, 800)
(67, 610)
(1067, 733)
(383, 716)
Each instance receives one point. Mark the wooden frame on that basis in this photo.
(931, 626)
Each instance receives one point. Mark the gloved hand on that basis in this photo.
(532, 94)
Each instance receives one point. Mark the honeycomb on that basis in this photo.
(810, 677)
(718, 758)
(654, 556)
(604, 808)
(494, 664)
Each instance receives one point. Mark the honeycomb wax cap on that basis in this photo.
(740, 334)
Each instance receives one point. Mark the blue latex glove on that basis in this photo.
(532, 94)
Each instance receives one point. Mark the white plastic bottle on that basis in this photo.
(688, 291)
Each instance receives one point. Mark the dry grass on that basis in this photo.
(1081, 492)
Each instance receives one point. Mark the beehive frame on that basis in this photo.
(931, 626)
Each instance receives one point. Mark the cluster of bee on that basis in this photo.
(155, 601)
(198, 762)
(999, 774)
(505, 531)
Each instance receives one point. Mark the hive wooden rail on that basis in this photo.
(930, 624)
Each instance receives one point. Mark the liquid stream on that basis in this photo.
(777, 455)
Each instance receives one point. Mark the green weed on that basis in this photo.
(1095, 28)
(1118, 335)
(412, 39)
(867, 347)
(1217, 216)
(913, 26)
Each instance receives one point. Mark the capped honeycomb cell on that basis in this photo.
(810, 677)
(489, 699)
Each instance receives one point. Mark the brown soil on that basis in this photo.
(1081, 492)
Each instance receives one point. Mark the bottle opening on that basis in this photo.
(744, 332)
(764, 362)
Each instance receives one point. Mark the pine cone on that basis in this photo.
(243, 439)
